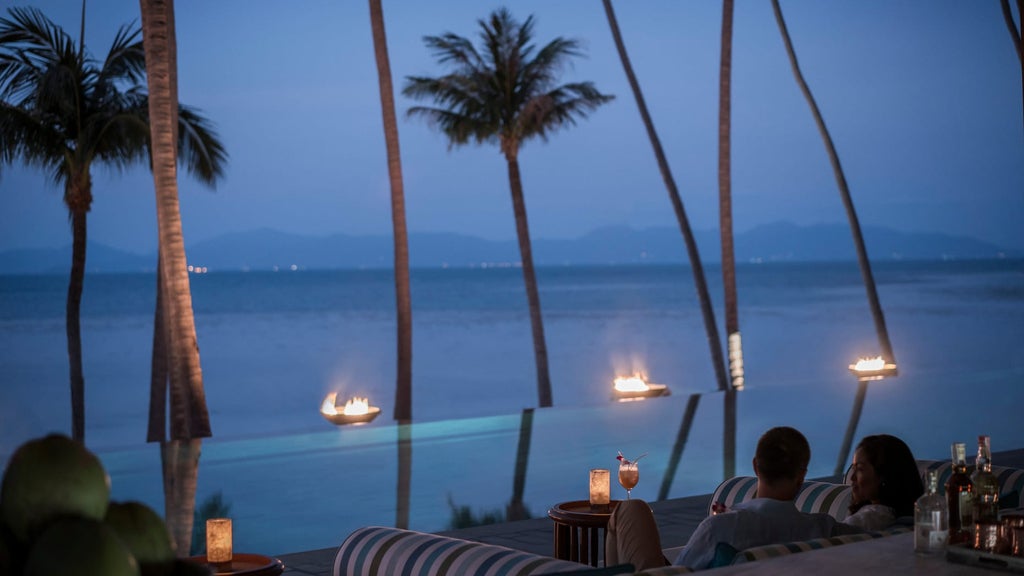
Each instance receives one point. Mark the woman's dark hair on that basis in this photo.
(896, 468)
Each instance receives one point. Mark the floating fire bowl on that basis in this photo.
(652, 391)
(341, 418)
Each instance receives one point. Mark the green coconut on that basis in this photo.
(73, 546)
(51, 477)
(142, 530)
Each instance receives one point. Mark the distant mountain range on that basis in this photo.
(266, 249)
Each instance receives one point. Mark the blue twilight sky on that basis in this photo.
(923, 98)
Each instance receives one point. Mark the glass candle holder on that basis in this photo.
(218, 540)
(600, 488)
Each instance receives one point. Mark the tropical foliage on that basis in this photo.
(62, 111)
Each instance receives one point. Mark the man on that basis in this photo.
(780, 463)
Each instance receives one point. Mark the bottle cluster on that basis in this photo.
(968, 513)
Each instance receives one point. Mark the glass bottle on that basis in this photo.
(960, 498)
(986, 499)
(931, 519)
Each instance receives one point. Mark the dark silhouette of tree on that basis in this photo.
(506, 93)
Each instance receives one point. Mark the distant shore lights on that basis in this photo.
(636, 387)
(873, 369)
(356, 410)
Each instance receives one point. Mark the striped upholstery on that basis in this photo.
(774, 550)
(381, 551)
(665, 571)
(833, 499)
(1011, 480)
(733, 491)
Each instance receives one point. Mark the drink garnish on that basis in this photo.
(627, 461)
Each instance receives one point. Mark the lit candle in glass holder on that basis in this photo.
(218, 540)
(600, 488)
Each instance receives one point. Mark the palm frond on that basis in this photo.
(200, 150)
(504, 89)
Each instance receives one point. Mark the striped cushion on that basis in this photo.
(734, 490)
(376, 550)
(833, 499)
(665, 571)
(774, 550)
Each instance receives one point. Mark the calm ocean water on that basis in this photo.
(273, 344)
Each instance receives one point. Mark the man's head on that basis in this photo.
(780, 463)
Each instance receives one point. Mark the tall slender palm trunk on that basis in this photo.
(1016, 33)
(708, 313)
(540, 349)
(703, 296)
(189, 420)
(732, 316)
(844, 192)
(73, 323)
(403, 297)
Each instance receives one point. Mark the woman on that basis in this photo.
(885, 482)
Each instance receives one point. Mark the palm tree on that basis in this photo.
(62, 111)
(506, 93)
(1016, 31)
(708, 313)
(403, 298)
(190, 421)
(732, 316)
(858, 238)
(844, 192)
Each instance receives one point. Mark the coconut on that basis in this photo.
(51, 477)
(142, 530)
(73, 546)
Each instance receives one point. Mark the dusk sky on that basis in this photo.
(923, 99)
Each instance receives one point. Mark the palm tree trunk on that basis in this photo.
(403, 298)
(844, 192)
(540, 349)
(157, 429)
(73, 323)
(1015, 35)
(189, 416)
(710, 326)
(732, 316)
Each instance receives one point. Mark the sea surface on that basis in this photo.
(273, 344)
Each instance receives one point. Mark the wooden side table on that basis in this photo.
(580, 531)
(244, 565)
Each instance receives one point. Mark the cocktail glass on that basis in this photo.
(629, 475)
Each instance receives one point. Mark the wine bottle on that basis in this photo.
(960, 498)
(986, 499)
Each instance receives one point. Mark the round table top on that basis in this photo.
(581, 513)
(244, 565)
